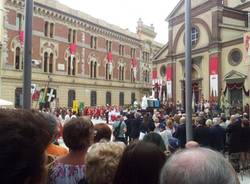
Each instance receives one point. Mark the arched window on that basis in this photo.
(45, 62)
(74, 36)
(69, 65)
(120, 73)
(18, 58)
(51, 63)
(71, 97)
(108, 98)
(121, 99)
(148, 76)
(107, 73)
(91, 69)
(93, 98)
(69, 35)
(132, 75)
(51, 30)
(95, 69)
(108, 76)
(46, 28)
(123, 73)
(74, 66)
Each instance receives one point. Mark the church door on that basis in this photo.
(236, 97)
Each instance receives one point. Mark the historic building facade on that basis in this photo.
(78, 56)
(220, 62)
(1, 36)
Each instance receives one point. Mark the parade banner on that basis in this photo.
(72, 55)
(75, 105)
(21, 37)
(110, 66)
(134, 67)
(81, 106)
(169, 81)
(154, 74)
(214, 76)
(246, 50)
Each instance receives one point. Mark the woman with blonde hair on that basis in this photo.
(209, 123)
(102, 161)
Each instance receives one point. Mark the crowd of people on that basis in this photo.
(129, 146)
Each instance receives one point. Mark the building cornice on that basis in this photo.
(80, 22)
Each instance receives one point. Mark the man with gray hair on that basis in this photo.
(196, 166)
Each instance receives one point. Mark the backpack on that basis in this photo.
(117, 130)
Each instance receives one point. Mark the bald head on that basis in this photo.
(198, 165)
(192, 144)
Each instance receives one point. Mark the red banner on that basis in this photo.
(214, 65)
(21, 37)
(134, 63)
(154, 74)
(73, 48)
(169, 73)
(36, 95)
(109, 57)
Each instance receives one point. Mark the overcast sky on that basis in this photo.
(125, 13)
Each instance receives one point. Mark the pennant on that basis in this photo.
(110, 68)
(21, 37)
(36, 95)
(134, 63)
(154, 74)
(75, 105)
(42, 96)
(81, 106)
(109, 57)
(214, 65)
(51, 94)
(169, 73)
(72, 48)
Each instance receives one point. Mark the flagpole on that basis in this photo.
(27, 55)
(188, 71)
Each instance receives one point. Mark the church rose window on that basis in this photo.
(235, 57)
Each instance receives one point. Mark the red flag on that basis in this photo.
(154, 74)
(72, 48)
(214, 65)
(134, 63)
(36, 95)
(169, 73)
(21, 37)
(109, 57)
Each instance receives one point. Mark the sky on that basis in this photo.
(126, 13)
